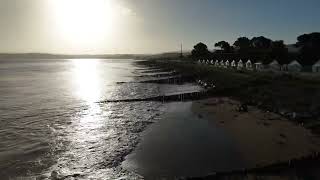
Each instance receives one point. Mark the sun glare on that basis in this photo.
(83, 21)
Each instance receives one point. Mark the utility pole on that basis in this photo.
(181, 54)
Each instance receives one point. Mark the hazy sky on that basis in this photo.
(147, 26)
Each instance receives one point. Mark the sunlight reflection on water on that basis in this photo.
(86, 78)
(100, 135)
(95, 138)
(87, 81)
(89, 128)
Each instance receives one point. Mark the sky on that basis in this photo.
(147, 26)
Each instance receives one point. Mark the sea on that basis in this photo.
(61, 119)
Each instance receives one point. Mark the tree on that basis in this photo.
(309, 47)
(309, 40)
(278, 44)
(200, 51)
(261, 42)
(242, 43)
(280, 51)
(225, 46)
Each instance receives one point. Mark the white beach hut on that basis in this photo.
(316, 67)
(249, 65)
(240, 64)
(216, 63)
(227, 64)
(294, 66)
(258, 66)
(221, 63)
(233, 64)
(274, 65)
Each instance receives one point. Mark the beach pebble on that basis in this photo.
(54, 175)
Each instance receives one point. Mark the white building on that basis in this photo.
(221, 63)
(295, 66)
(227, 64)
(316, 67)
(258, 66)
(274, 65)
(249, 65)
(233, 64)
(240, 64)
(216, 63)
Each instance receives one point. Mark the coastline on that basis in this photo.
(290, 96)
(277, 145)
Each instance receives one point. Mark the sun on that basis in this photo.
(83, 22)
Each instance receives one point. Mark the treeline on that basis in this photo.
(263, 49)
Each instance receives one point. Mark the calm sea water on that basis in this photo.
(52, 125)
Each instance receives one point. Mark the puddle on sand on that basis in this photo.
(182, 144)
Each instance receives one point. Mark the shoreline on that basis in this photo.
(292, 97)
(275, 143)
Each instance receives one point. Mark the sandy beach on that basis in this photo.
(263, 138)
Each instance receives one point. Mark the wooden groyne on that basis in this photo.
(166, 98)
(170, 80)
(158, 75)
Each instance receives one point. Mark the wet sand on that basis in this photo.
(181, 144)
(263, 138)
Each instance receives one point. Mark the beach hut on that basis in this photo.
(316, 67)
(221, 63)
(294, 66)
(227, 64)
(216, 63)
(240, 64)
(233, 64)
(249, 65)
(274, 65)
(258, 66)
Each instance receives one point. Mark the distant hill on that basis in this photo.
(64, 56)
(169, 55)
